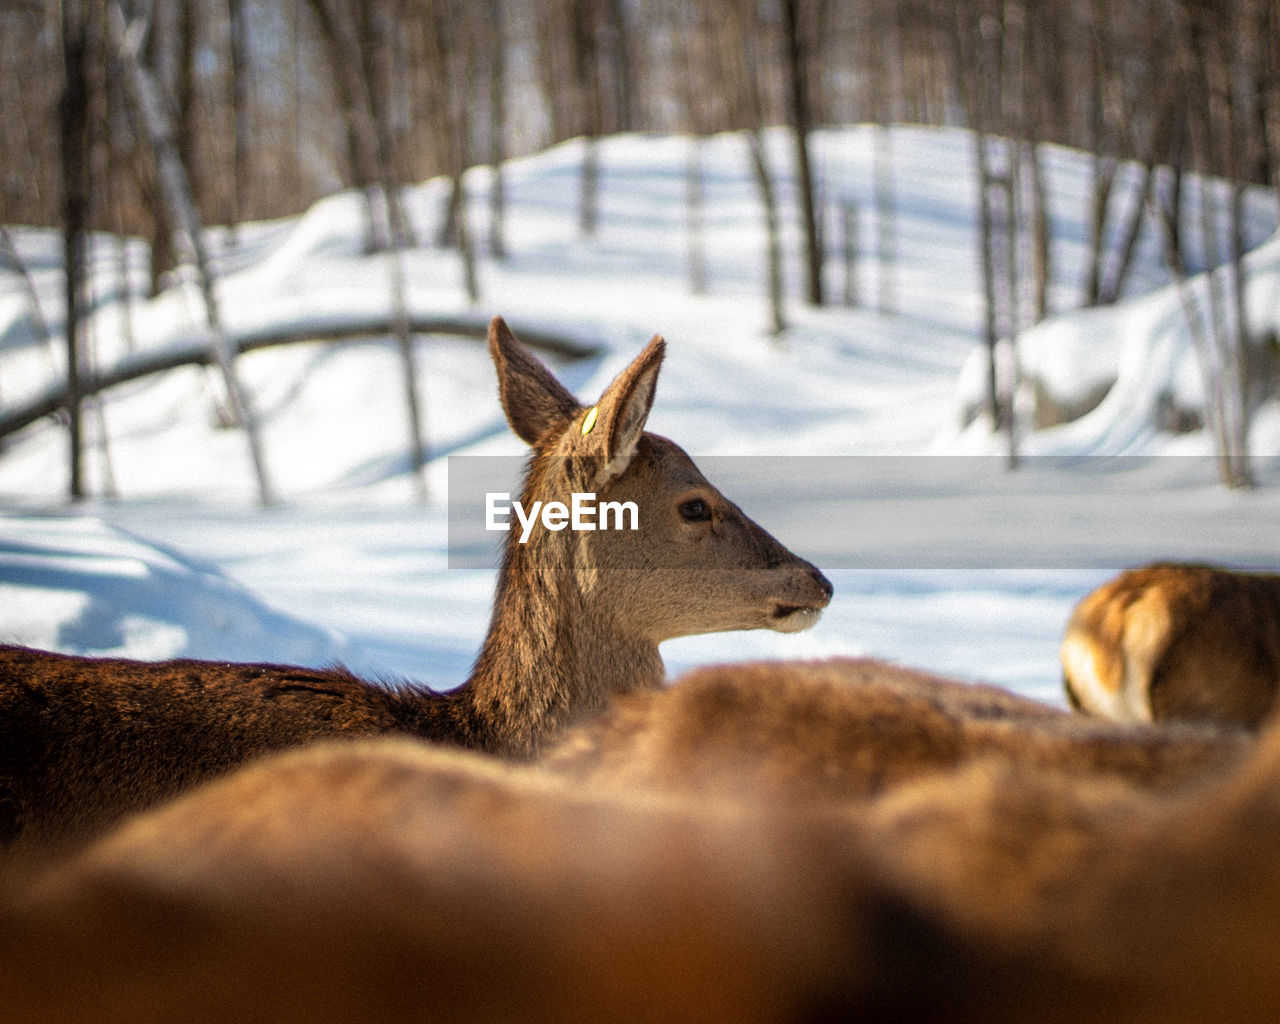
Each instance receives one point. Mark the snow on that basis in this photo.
(842, 438)
(75, 583)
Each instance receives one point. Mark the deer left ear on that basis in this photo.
(615, 423)
(533, 400)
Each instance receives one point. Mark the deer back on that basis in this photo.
(1070, 903)
(842, 729)
(1176, 642)
(83, 740)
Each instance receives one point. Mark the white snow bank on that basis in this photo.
(1142, 350)
(75, 584)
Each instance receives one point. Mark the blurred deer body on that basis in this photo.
(388, 880)
(385, 880)
(1176, 642)
(852, 729)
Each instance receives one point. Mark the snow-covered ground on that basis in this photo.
(843, 439)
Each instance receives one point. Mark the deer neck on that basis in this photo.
(549, 657)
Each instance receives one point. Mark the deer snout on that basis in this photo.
(802, 606)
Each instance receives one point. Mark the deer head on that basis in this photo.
(693, 563)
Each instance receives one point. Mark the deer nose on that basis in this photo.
(824, 584)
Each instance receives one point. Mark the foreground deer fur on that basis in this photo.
(1176, 642)
(577, 618)
(1065, 903)
(389, 881)
(851, 729)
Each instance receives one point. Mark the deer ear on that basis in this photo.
(620, 415)
(533, 400)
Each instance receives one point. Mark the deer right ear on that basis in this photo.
(622, 411)
(533, 400)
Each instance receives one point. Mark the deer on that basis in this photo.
(391, 880)
(843, 730)
(577, 619)
(1176, 642)
(1056, 902)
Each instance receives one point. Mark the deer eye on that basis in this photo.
(695, 510)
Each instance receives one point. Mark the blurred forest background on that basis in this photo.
(275, 104)
(151, 119)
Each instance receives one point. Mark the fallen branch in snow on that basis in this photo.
(197, 353)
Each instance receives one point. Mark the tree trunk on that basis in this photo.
(185, 115)
(886, 221)
(588, 87)
(409, 372)
(447, 232)
(74, 131)
(1009, 192)
(986, 243)
(589, 187)
(117, 162)
(452, 113)
(849, 239)
(240, 103)
(1104, 174)
(1111, 286)
(621, 64)
(967, 68)
(752, 112)
(175, 188)
(800, 110)
(1041, 232)
(695, 217)
(378, 67)
(1238, 381)
(338, 29)
(773, 233)
(1105, 163)
(497, 128)
(466, 247)
(1214, 119)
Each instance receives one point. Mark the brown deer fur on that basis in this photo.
(577, 619)
(1069, 903)
(390, 881)
(1176, 642)
(851, 729)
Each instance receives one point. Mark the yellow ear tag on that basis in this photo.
(590, 420)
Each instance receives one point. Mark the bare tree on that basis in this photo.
(703, 69)
(496, 52)
(885, 58)
(150, 112)
(800, 108)
(750, 109)
(585, 60)
(241, 106)
(450, 37)
(367, 156)
(966, 43)
(1105, 159)
(76, 186)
